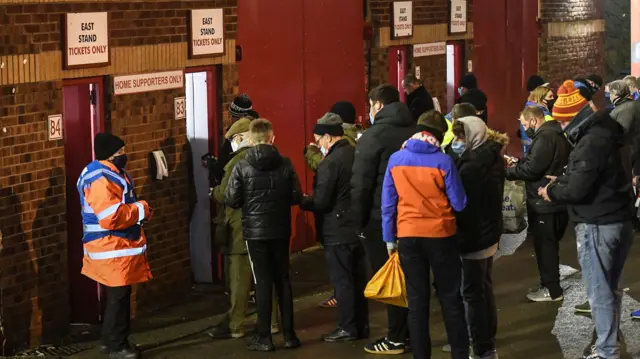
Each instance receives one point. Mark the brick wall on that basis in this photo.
(32, 216)
(145, 36)
(433, 73)
(572, 42)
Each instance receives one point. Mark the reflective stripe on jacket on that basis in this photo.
(114, 241)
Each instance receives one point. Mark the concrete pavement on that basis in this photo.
(526, 330)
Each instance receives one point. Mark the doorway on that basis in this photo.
(398, 64)
(83, 118)
(202, 106)
(454, 72)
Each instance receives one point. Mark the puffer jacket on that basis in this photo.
(265, 185)
(331, 200)
(595, 186)
(393, 125)
(627, 114)
(548, 155)
(482, 173)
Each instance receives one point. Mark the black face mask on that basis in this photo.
(120, 161)
(530, 132)
(550, 104)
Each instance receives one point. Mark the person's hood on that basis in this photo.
(418, 146)
(553, 126)
(543, 108)
(264, 157)
(600, 124)
(498, 137)
(622, 107)
(397, 114)
(475, 131)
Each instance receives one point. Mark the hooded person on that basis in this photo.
(114, 240)
(476, 152)
(230, 242)
(241, 106)
(626, 112)
(331, 205)
(599, 199)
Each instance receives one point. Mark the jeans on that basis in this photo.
(602, 252)
(348, 271)
(377, 254)
(482, 314)
(270, 265)
(548, 229)
(117, 317)
(418, 256)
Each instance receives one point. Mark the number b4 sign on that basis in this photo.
(55, 127)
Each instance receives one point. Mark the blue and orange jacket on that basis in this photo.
(420, 193)
(114, 241)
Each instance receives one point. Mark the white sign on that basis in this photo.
(402, 19)
(458, 20)
(55, 127)
(207, 32)
(418, 72)
(87, 39)
(469, 66)
(436, 48)
(157, 81)
(180, 108)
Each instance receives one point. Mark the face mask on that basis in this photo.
(530, 132)
(371, 117)
(550, 104)
(234, 146)
(120, 161)
(324, 151)
(243, 144)
(458, 147)
(607, 95)
(460, 91)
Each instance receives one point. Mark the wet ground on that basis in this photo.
(526, 330)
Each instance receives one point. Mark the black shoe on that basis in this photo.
(364, 333)
(339, 335)
(292, 342)
(126, 353)
(258, 344)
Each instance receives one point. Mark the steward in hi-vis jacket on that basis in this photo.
(114, 241)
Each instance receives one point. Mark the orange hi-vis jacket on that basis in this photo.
(114, 241)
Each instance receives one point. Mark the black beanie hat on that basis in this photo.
(106, 145)
(469, 81)
(241, 106)
(329, 124)
(345, 110)
(534, 82)
(253, 114)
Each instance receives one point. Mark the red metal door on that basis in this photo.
(398, 67)
(311, 62)
(82, 117)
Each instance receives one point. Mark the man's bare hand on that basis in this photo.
(542, 192)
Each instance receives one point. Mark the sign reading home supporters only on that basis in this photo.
(207, 32)
(157, 81)
(435, 48)
(86, 40)
(402, 19)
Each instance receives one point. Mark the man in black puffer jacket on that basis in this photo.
(265, 185)
(548, 155)
(476, 153)
(392, 125)
(331, 203)
(599, 200)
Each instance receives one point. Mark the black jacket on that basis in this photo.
(392, 126)
(482, 174)
(265, 185)
(595, 186)
(627, 114)
(331, 200)
(419, 102)
(547, 156)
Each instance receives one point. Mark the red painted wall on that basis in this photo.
(505, 43)
(298, 59)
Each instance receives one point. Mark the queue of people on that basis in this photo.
(427, 186)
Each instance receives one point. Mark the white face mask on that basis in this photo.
(234, 146)
(324, 151)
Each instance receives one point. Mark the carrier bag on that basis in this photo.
(388, 285)
(514, 208)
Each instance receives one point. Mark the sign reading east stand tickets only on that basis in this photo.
(86, 39)
(402, 24)
(206, 35)
(458, 17)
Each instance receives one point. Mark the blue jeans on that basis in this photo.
(602, 251)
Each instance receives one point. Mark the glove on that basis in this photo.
(392, 247)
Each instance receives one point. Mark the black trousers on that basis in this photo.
(417, 256)
(270, 265)
(117, 317)
(377, 254)
(548, 230)
(348, 272)
(481, 303)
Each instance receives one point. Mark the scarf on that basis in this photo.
(423, 136)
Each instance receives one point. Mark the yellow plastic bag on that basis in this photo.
(388, 285)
